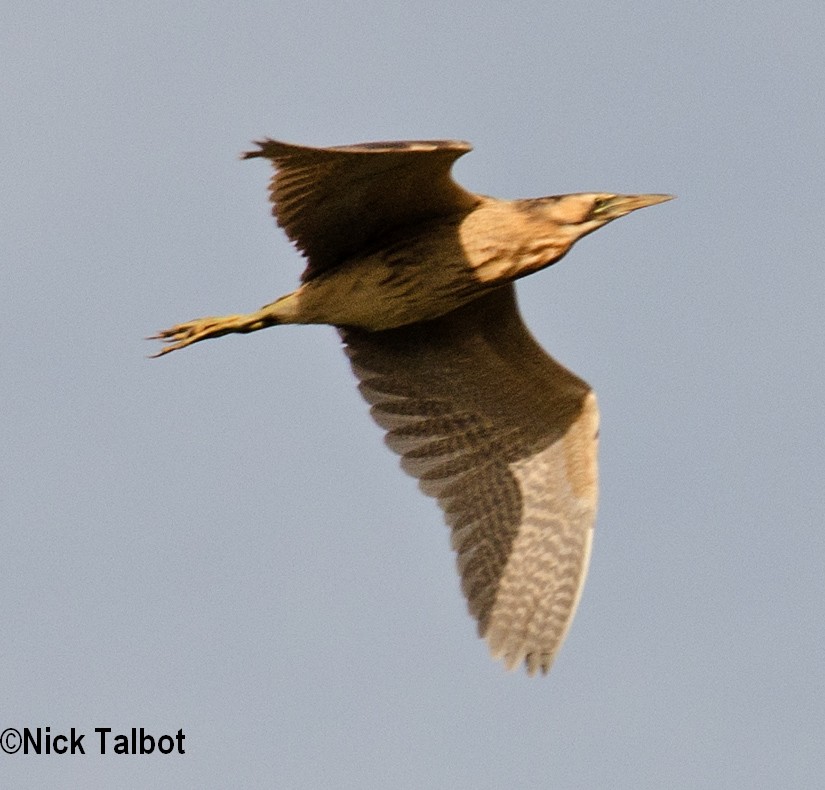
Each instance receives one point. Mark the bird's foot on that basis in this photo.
(185, 334)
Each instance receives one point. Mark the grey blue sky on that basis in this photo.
(219, 541)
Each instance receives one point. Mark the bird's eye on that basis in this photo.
(602, 206)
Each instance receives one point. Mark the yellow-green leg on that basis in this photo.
(182, 335)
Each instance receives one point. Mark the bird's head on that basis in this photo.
(582, 213)
(544, 229)
(529, 235)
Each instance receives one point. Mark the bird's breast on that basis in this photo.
(502, 242)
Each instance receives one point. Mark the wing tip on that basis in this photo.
(265, 149)
(537, 662)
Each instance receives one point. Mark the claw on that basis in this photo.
(182, 335)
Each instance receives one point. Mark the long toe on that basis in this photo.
(182, 335)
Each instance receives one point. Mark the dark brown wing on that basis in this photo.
(335, 202)
(505, 438)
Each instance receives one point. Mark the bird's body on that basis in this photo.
(417, 274)
(379, 289)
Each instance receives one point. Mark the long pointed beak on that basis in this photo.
(620, 205)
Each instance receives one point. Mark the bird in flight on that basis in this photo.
(417, 274)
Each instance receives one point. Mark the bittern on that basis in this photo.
(417, 275)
